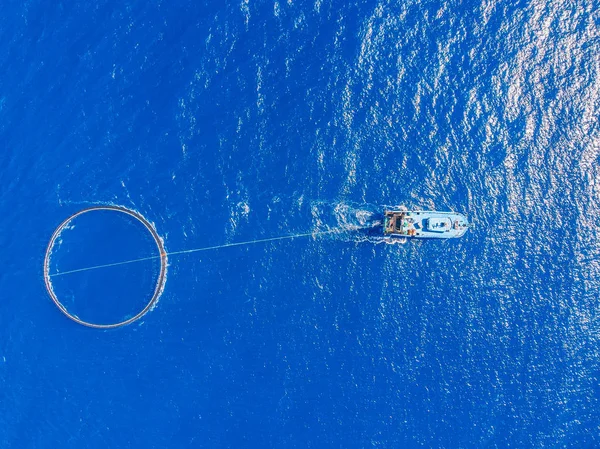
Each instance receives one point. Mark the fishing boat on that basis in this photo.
(422, 224)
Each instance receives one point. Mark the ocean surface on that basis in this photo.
(226, 122)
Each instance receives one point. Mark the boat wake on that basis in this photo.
(352, 217)
(361, 223)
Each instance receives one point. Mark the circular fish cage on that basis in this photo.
(160, 283)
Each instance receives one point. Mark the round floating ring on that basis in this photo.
(160, 283)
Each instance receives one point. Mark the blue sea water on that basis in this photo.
(225, 122)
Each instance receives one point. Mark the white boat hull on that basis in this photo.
(423, 224)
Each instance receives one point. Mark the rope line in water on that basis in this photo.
(195, 250)
(160, 283)
(60, 273)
